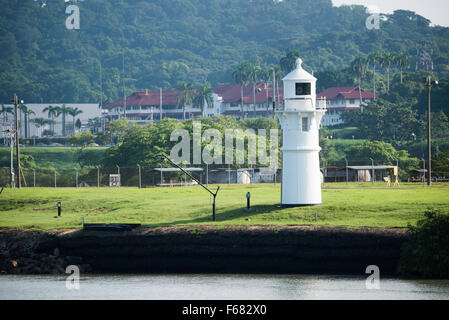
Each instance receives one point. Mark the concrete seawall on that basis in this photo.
(318, 250)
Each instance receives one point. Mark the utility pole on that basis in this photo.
(15, 100)
(429, 82)
(124, 90)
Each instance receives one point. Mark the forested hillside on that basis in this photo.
(162, 42)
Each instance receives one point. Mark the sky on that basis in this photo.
(436, 11)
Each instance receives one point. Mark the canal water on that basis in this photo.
(220, 287)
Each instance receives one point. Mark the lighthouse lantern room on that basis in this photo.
(300, 120)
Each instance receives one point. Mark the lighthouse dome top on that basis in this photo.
(299, 74)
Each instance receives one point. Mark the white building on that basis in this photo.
(342, 99)
(146, 106)
(300, 119)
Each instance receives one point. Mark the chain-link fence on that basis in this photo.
(143, 177)
(369, 170)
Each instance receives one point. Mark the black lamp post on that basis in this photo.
(429, 82)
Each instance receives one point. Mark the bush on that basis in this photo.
(426, 253)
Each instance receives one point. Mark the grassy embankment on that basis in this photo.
(59, 158)
(355, 205)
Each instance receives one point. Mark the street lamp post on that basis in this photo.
(15, 100)
(429, 82)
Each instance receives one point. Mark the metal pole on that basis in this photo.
(162, 177)
(347, 177)
(214, 194)
(98, 177)
(119, 177)
(13, 184)
(372, 170)
(424, 170)
(160, 103)
(207, 174)
(229, 174)
(275, 173)
(140, 176)
(429, 150)
(213, 207)
(34, 178)
(16, 102)
(76, 178)
(55, 178)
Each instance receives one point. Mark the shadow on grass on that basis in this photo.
(223, 215)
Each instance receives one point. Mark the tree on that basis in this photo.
(440, 164)
(373, 59)
(288, 63)
(439, 125)
(185, 97)
(203, 97)
(52, 113)
(74, 112)
(115, 131)
(403, 62)
(82, 139)
(241, 75)
(383, 152)
(27, 113)
(64, 110)
(40, 122)
(254, 77)
(358, 67)
(386, 121)
(5, 111)
(388, 59)
(265, 75)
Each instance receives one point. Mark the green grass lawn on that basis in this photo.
(354, 204)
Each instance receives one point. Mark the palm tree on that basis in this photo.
(241, 76)
(265, 76)
(40, 122)
(21, 108)
(63, 110)
(27, 113)
(288, 63)
(373, 59)
(52, 113)
(358, 68)
(254, 76)
(4, 111)
(277, 71)
(74, 112)
(388, 59)
(203, 97)
(185, 97)
(403, 62)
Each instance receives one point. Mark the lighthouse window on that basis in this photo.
(305, 124)
(302, 89)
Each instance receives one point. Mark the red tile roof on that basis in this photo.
(231, 93)
(147, 98)
(345, 93)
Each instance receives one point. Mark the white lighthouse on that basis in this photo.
(300, 121)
